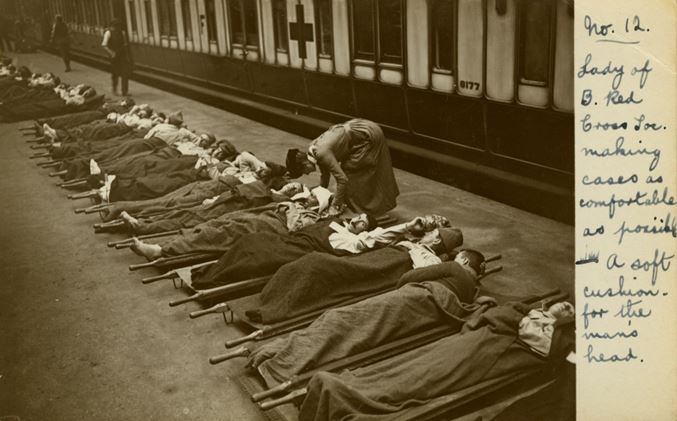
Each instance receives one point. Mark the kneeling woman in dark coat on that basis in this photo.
(357, 155)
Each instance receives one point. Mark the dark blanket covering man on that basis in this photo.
(152, 160)
(129, 143)
(191, 194)
(24, 94)
(318, 280)
(82, 117)
(486, 348)
(52, 107)
(96, 130)
(158, 181)
(240, 197)
(218, 235)
(263, 253)
(427, 297)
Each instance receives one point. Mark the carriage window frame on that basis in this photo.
(434, 43)
(134, 30)
(373, 10)
(280, 28)
(324, 27)
(150, 27)
(386, 25)
(167, 19)
(187, 20)
(365, 10)
(238, 20)
(212, 30)
(522, 45)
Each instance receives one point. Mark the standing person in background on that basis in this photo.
(116, 43)
(61, 39)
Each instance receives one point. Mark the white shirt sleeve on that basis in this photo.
(106, 38)
(536, 330)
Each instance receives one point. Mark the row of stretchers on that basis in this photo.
(374, 334)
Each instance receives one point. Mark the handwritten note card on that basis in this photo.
(626, 209)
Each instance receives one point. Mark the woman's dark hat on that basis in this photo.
(293, 163)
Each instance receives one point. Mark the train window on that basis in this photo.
(211, 20)
(77, 11)
(243, 22)
(148, 7)
(390, 30)
(167, 17)
(251, 22)
(363, 29)
(534, 54)
(90, 13)
(132, 16)
(103, 8)
(236, 24)
(187, 26)
(442, 35)
(280, 25)
(325, 36)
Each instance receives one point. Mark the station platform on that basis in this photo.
(82, 338)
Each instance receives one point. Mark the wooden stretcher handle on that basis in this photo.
(73, 181)
(166, 275)
(36, 140)
(492, 270)
(143, 237)
(40, 146)
(143, 265)
(240, 352)
(493, 258)
(282, 387)
(58, 173)
(83, 195)
(39, 155)
(180, 301)
(283, 400)
(218, 308)
(237, 341)
(96, 208)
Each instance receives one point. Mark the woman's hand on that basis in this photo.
(335, 210)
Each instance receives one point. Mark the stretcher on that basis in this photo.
(263, 331)
(294, 387)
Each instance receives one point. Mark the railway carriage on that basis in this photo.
(480, 89)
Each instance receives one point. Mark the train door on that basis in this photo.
(470, 44)
(243, 29)
(535, 24)
(563, 90)
(501, 33)
(119, 10)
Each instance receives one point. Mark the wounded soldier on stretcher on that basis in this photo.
(241, 196)
(195, 193)
(218, 235)
(83, 117)
(35, 88)
(138, 117)
(70, 100)
(425, 297)
(261, 254)
(121, 158)
(320, 280)
(504, 340)
(157, 174)
(109, 141)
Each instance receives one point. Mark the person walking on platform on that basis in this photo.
(356, 154)
(116, 43)
(61, 39)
